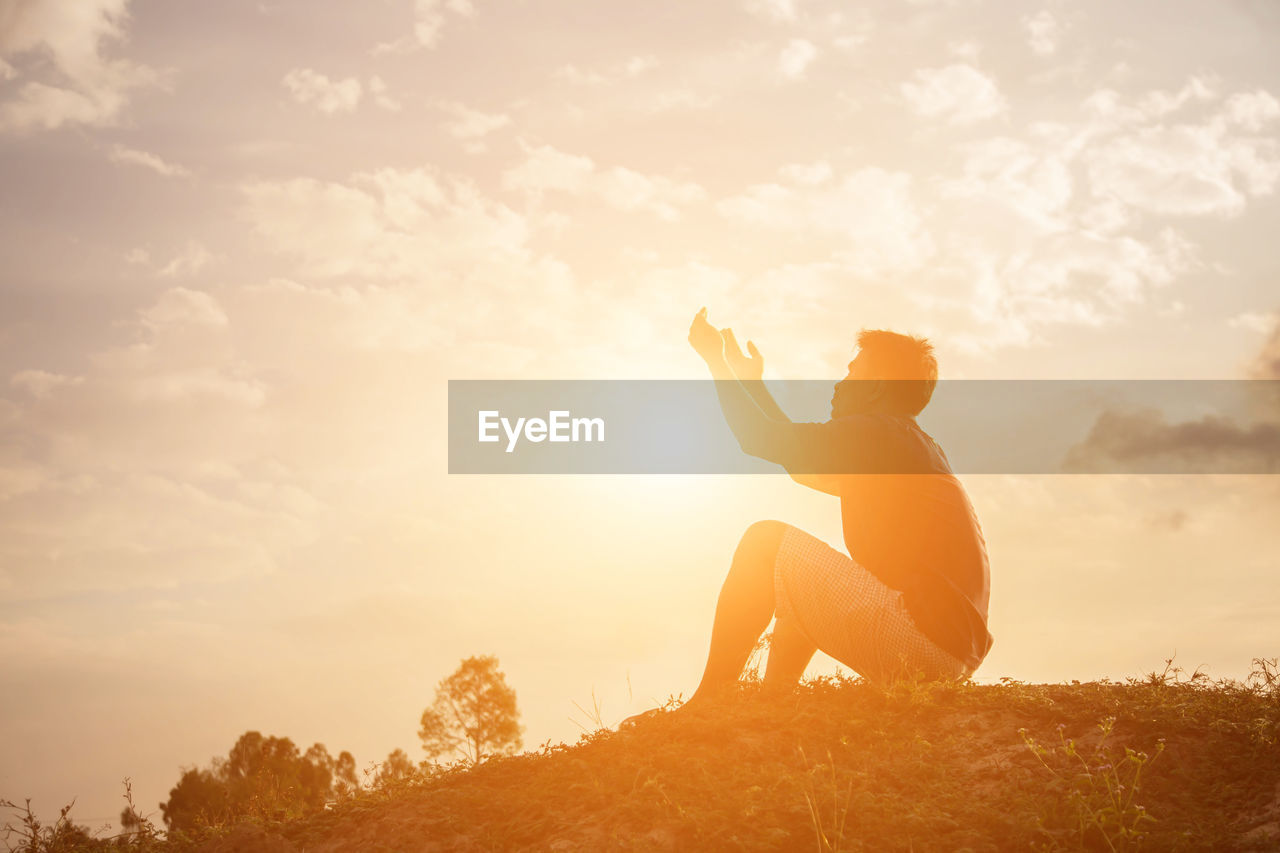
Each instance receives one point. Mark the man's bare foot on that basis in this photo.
(700, 701)
(643, 716)
(695, 703)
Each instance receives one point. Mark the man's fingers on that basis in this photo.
(751, 348)
(730, 341)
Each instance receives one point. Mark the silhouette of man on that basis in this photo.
(910, 599)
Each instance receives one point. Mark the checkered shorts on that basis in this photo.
(850, 614)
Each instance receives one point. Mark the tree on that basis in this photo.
(262, 776)
(397, 768)
(474, 713)
(130, 821)
(200, 797)
(35, 837)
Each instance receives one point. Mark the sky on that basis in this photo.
(245, 245)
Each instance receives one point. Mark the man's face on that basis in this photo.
(853, 394)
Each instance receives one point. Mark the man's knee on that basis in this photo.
(757, 552)
(762, 538)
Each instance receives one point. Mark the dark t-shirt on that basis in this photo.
(907, 519)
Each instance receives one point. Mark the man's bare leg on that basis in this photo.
(743, 610)
(789, 653)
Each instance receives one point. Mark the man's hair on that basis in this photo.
(908, 361)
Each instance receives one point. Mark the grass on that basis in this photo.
(1165, 762)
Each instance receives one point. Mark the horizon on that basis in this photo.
(247, 247)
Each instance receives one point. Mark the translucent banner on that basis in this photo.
(984, 426)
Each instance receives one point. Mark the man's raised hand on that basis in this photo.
(705, 338)
(746, 368)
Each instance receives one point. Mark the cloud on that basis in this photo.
(378, 89)
(1073, 278)
(1255, 321)
(1032, 181)
(1191, 168)
(573, 74)
(471, 126)
(43, 107)
(1061, 224)
(867, 219)
(1252, 110)
(199, 384)
(1267, 363)
(1183, 170)
(149, 471)
(234, 425)
(132, 156)
(629, 69)
(796, 58)
(78, 85)
(959, 93)
(429, 18)
(812, 174)
(42, 383)
(547, 169)
(373, 319)
(417, 260)
(314, 89)
(1042, 32)
(1145, 442)
(1108, 110)
(182, 307)
(773, 10)
(193, 258)
(637, 65)
(390, 223)
(676, 100)
(1158, 102)
(965, 49)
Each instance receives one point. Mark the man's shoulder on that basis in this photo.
(908, 447)
(875, 421)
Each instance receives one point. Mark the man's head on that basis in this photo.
(892, 374)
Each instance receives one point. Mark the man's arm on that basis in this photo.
(755, 430)
(819, 453)
(828, 484)
(750, 372)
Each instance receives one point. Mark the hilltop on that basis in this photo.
(1165, 762)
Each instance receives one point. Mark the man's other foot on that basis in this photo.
(643, 716)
